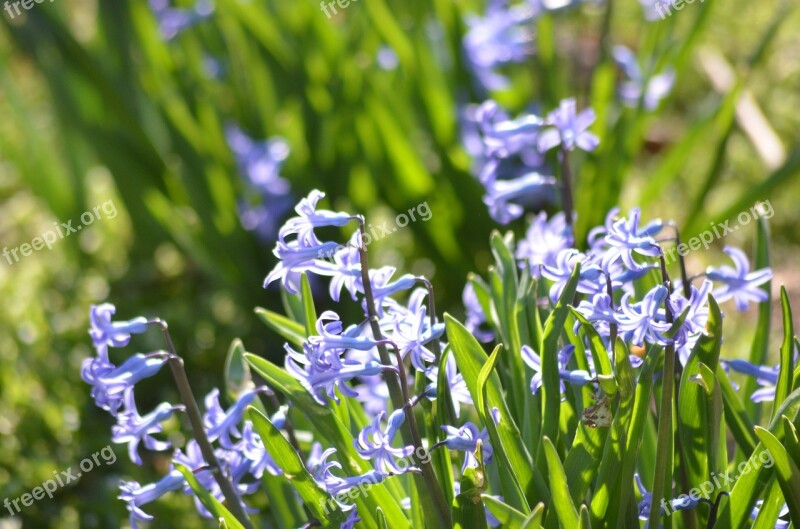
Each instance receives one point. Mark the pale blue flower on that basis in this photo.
(136, 496)
(570, 129)
(644, 321)
(104, 332)
(465, 439)
(133, 428)
(375, 444)
(739, 283)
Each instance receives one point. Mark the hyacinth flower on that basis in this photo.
(569, 129)
(499, 38)
(476, 321)
(695, 319)
(764, 375)
(109, 382)
(412, 333)
(678, 504)
(222, 425)
(465, 439)
(644, 320)
(252, 447)
(503, 196)
(136, 496)
(375, 444)
(105, 332)
(332, 336)
(459, 391)
(133, 428)
(577, 377)
(635, 88)
(234, 465)
(560, 273)
(625, 236)
(172, 21)
(305, 252)
(739, 283)
(544, 240)
(260, 163)
(320, 468)
(321, 373)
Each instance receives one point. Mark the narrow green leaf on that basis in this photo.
(320, 504)
(508, 516)
(237, 370)
(787, 472)
(534, 521)
(784, 385)
(209, 502)
(309, 311)
(562, 502)
(291, 331)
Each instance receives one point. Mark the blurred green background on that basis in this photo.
(95, 105)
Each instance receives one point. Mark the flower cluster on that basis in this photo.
(241, 454)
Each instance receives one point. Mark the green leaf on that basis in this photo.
(514, 461)
(291, 331)
(735, 415)
(784, 385)
(320, 504)
(787, 472)
(548, 351)
(216, 508)
(561, 502)
(508, 516)
(309, 311)
(759, 349)
(327, 423)
(534, 521)
(237, 370)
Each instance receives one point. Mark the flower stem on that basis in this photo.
(566, 186)
(234, 502)
(665, 446)
(398, 391)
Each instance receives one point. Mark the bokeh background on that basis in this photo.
(101, 101)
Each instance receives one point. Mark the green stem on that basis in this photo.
(398, 391)
(234, 502)
(665, 446)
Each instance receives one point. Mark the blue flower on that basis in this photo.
(172, 21)
(259, 163)
(544, 240)
(412, 332)
(220, 424)
(465, 439)
(739, 283)
(374, 443)
(677, 504)
(570, 129)
(644, 320)
(320, 467)
(321, 372)
(252, 447)
(578, 377)
(352, 520)
(625, 236)
(331, 335)
(499, 38)
(503, 197)
(655, 89)
(111, 382)
(309, 218)
(136, 496)
(566, 260)
(765, 376)
(476, 321)
(104, 332)
(133, 429)
(459, 392)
